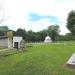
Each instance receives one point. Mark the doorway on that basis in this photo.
(16, 45)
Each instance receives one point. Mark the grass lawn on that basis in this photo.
(39, 60)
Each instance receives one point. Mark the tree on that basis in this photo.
(43, 34)
(40, 36)
(68, 36)
(3, 30)
(21, 32)
(60, 38)
(1, 33)
(30, 36)
(53, 31)
(71, 22)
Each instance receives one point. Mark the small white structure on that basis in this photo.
(71, 61)
(16, 41)
(7, 42)
(47, 39)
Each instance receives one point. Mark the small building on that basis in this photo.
(7, 42)
(47, 39)
(16, 41)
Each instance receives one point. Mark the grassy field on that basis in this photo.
(39, 60)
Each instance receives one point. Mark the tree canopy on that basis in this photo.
(3, 30)
(53, 31)
(71, 22)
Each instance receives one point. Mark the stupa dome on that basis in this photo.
(47, 39)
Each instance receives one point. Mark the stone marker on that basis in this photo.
(71, 61)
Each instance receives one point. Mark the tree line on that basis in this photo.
(31, 36)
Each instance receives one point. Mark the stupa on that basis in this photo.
(47, 39)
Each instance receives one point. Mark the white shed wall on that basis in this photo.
(17, 39)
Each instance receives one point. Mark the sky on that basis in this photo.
(36, 15)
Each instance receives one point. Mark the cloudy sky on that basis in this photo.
(37, 15)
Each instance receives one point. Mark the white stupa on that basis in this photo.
(47, 39)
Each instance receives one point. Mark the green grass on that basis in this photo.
(39, 60)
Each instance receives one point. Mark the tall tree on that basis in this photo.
(21, 32)
(68, 36)
(1, 33)
(71, 22)
(3, 30)
(40, 36)
(53, 31)
(30, 35)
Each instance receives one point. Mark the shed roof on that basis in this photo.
(3, 37)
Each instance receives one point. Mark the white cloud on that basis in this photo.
(39, 25)
(18, 10)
